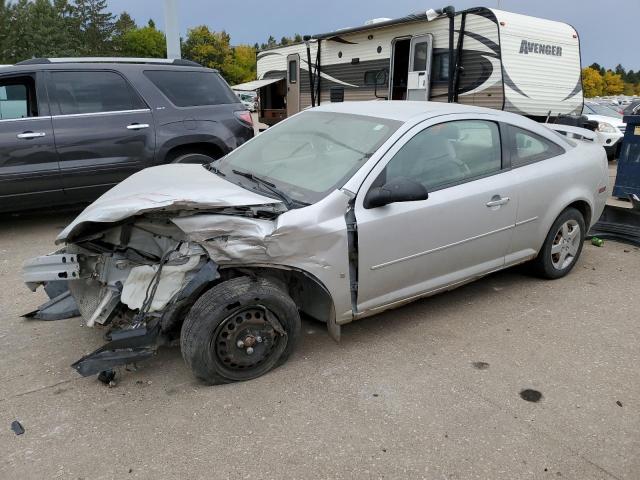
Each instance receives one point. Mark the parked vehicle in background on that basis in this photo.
(249, 100)
(72, 128)
(340, 212)
(611, 127)
(633, 108)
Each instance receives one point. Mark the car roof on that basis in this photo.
(124, 66)
(401, 110)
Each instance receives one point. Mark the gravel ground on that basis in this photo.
(431, 390)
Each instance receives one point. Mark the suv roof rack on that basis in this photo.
(166, 61)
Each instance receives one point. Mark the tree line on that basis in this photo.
(598, 81)
(86, 28)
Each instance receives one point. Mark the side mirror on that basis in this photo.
(399, 189)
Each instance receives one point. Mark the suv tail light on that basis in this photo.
(245, 117)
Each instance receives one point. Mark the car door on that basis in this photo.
(103, 130)
(461, 231)
(29, 170)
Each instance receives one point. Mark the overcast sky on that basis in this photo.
(609, 29)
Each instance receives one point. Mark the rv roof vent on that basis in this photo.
(377, 20)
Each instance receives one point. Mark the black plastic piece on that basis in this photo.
(126, 346)
(107, 376)
(617, 223)
(17, 427)
(58, 308)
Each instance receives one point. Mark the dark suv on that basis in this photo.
(70, 129)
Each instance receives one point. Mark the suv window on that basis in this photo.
(17, 98)
(93, 92)
(448, 153)
(192, 89)
(530, 147)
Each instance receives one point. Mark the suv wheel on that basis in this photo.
(239, 330)
(200, 158)
(562, 246)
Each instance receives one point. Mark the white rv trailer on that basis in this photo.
(502, 60)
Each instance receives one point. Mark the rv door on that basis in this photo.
(293, 84)
(419, 67)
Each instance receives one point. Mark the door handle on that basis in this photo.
(28, 135)
(137, 126)
(497, 201)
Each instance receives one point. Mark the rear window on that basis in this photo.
(191, 89)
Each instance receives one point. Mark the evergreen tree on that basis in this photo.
(122, 27)
(96, 26)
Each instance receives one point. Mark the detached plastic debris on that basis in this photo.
(598, 242)
(17, 427)
(108, 377)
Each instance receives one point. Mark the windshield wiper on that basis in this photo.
(211, 168)
(288, 201)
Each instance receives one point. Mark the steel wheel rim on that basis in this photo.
(245, 343)
(566, 244)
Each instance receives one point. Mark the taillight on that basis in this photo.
(245, 117)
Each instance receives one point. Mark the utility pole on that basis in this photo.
(172, 28)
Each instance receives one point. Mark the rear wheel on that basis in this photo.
(193, 158)
(238, 330)
(562, 247)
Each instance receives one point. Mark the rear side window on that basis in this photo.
(93, 92)
(192, 89)
(17, 98)
(528, 147)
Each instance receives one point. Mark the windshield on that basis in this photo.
(597, 109)
(309, 155)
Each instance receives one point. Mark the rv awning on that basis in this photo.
(256, 84)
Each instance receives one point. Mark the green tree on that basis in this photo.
(144, 42)
(207, 47)
(96, 25)
(243, 65)
(36, 28)
(123, 25)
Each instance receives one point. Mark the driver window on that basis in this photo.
(448, 153)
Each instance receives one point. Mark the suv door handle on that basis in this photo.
(497, 201)
(28, 135)
(137, 126)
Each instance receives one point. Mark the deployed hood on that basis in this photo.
(173, 187)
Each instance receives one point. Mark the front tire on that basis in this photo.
(562, 247)
(239, 330)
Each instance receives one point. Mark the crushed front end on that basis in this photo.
(136, 279)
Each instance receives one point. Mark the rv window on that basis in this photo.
(441, 66)
(375, 77)
(420, 51)
(293, 71)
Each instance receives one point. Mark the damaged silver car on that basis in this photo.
(338, 213)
